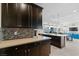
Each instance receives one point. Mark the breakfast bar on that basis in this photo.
(57, 40)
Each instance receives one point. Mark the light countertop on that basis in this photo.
(15, 42)
(53, 34)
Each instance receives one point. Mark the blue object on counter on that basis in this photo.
(73, 35)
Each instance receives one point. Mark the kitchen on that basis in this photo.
(23, 31)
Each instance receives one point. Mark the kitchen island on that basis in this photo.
(57, 40)
(36, 46)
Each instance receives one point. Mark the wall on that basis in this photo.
(0, 14)
(59, 11)
(1, 34)
(17, 33)
(60, 15)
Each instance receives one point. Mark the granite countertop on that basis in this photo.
(54, 34)
(15, 42)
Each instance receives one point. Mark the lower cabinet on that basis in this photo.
(34, 50)
(58, 41)
(15, 51)
(41, 48)
(45, 48)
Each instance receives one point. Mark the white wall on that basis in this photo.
(1, 34)
(0, 14)
(60, 14)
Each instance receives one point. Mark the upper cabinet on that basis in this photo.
(39, 18)
(26, 15)
(9, 15)
(36, 17)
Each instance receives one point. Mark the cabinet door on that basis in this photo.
(19, 21)
(24, 14)
(12, 14)
(16, 51)
(34, 17)
(29, 15)
(33, 49)
(4, 15)
(3, 52)
(39, 17)
(20, 51)
(45, 48)
(9, 14)
(11, 51)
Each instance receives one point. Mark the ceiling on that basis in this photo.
(63, 9)
(63, 12)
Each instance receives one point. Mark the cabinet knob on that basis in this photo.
(16, 48)
(35, 44)
(28, 50)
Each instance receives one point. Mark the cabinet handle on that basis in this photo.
(25, 51)
(16, 48)
(28, 50)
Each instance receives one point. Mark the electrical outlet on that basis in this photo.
(16, 33)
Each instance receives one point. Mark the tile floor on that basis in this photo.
(71, 49)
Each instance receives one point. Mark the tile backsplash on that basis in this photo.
(16, 33)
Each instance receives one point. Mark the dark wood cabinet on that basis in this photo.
(26, 15)
(39, 18)
(9, 15)
(25, 10)
(45, 48)
(36, 17)
(34, 49)
(4, 15)
(41, 48)
(56, 40)
(14, 51)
